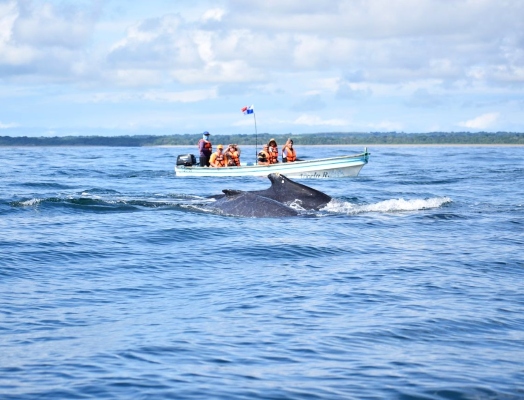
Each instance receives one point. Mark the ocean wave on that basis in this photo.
(386, 206)
(89, 201)
(27, 203)
(93, 202)
(99, 191)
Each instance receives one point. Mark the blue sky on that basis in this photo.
(113, 67)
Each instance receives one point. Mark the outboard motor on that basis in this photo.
(187, 160)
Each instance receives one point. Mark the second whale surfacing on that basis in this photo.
(246, 204)
(272, 202)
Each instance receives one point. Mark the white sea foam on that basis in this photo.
(90, 195)
(297, 205)
(30, 203)
(392, 205)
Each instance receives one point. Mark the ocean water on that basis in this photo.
(116, 283)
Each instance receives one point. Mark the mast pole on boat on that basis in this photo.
(256, 137)
(251, 110)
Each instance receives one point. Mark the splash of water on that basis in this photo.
(387, 206)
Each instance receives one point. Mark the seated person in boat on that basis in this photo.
(289, 154)
(233, 155)
(218, 159)
(263, 156)
(273, 151)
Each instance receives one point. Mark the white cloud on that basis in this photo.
(314, 120)
(43, 25)
(218, 72)
(42, 41)
(351, 91)
(424, 99)
(309, 103)
(11, 53)
(382, 57)
(243, 122)
(7, 126)
(483, 121)
(387, 126)
(214, 14)
(8, 16)
(186, 96)
(135, 77)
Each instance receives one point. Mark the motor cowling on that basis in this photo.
(187, 160)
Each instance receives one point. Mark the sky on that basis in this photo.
(119, 67)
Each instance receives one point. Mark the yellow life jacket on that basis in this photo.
(219, 160)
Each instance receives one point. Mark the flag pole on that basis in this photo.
(251, 110)
(256, 137)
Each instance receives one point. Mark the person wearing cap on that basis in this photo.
(206, 148)
(233, 155)
(218, 159)
(288, 152)
(263, 156)
(273, 151)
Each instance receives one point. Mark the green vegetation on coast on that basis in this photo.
(334, 138)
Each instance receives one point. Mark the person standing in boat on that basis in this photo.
(206, 149)
(289, 154)
(273, 151)
(263, 156)
(218, 159)
(233, 155)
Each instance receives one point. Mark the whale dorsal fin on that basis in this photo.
(231, 192)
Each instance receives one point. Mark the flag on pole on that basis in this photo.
(247, 110)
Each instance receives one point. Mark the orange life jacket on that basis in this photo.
(207, 145)
(234, 159)
(273, 154)
(263, 156)
(291, 154)
(219, 160)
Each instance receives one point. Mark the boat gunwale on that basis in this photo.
(363, 157)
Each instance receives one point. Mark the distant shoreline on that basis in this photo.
(371, 145)
(318, 139)
(298, 145)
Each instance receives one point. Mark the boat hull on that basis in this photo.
(326, 168)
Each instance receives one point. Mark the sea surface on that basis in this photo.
(117, 283)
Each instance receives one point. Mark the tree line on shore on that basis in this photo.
(332, 138)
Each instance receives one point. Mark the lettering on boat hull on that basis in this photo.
(322, 175)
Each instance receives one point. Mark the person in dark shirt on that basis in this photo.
(206, 149)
